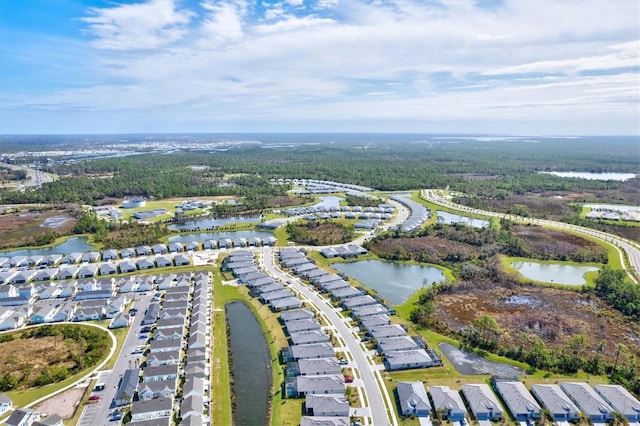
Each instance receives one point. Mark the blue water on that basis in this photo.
(251, 366)
(393, 281)
(553, 272)
(329, 201)
(72, 245)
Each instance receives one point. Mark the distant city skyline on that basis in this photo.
(538, 67)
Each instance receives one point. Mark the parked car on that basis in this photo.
(94, 398)
(143, 336)
(348, 379)
(343, 362)
(117, 415)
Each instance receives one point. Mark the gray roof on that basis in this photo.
(445, 398)
(332, 404)
(192, 403)
(620, 399)
(296, 314)
(555, 400)
(326, 383)
(286, 303)
(354, 302)
(413, 358)
(158, 385)
(363, 311)
(412, 396)
(587, 400)
(302, 325)
(375, 320)
(324, 421)
(384, 331)
(401, 343)
(160, 370)
(152, 405)
(314, 350)
(193, 385)
(275, 295)
(315, 366)
(311, 336)
(127, 386)
(482, 401)
(518, 399)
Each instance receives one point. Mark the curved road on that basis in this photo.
(380, 405)
(631, 248)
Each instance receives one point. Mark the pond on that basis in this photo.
(621, 177)
(251, 366)
(451, 219)
(393, 281)
(473, 365)
(553, 272)
(209, 223)
(328, 202)
(72, 245)
(183, 238)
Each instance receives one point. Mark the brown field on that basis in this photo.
(552, 314)
(19, 228)
(320, 233)
(64, 404)
(30, 356)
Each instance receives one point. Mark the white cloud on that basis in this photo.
(137, 26)
(392, 60)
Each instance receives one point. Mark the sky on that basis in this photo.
(535, 67)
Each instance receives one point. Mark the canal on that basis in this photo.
(250, 366)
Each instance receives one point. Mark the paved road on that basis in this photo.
(631, 248)
(125, 361)
(376, 395)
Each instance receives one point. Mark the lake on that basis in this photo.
(328, 202)
(393, 281)
(594, 176)
(553, 272)
(451, 219)
(71, 245)
(209, 223)
(183, 238)
(251, 366)
(472, 365)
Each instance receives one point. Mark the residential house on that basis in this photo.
(324, 421)
(126, 253)
(386, 331)
(152, 409)
(314, 350)
(47, 274)
(519, 401)
(127, 387)
(413, 399)
(145, 263)
(319, 366)
(306, 324)
(448, 402)
(143, 250)
(164, 261)
(156, 359)
(160, 249)
(307, 337)
(121, 320)
(23, 417)
(192, 405)
(127, 266)
(108, 269)
(588, 401)
(296, 314)
(72, 258)
(392, 344)
(161, 372)
(90, 257)
(176, 247)
(404, 360)
(172, 333)
(182, 260)
(300, 386)
(620, 400)
(5, 403)
(482, 401)
(326, 405)
(165, 346)
(157, 389)
(109, 254)
(560, 407)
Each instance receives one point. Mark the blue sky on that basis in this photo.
(455, 66)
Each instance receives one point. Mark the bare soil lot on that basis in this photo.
(20, 228)
(552, 314)
(63, 404)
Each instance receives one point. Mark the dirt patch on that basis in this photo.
(21, 228)
(319, 233)
(63, 404)
(28, 357)
(554, 315)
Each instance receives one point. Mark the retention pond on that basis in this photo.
(470, 364)
(251, 366)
